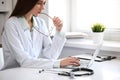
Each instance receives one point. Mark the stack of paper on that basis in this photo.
(72, 35)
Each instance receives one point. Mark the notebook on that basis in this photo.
(88, 63)
(75, 35)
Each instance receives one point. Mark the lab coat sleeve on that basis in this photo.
(16, 49)
(52, 49)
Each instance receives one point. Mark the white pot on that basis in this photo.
(97, 37)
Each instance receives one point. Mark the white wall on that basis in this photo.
(14, 2)
(5, 10)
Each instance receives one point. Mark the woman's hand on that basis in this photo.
(70, 61)
(58, 23)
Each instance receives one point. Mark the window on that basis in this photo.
(60, 8)
(79, 15)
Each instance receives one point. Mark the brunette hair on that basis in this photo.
(22, 7)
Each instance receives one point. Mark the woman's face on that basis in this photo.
(37, 9)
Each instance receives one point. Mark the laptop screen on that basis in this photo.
(85, 63)
(98, 47)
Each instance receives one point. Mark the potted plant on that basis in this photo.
(98, 27)
(98, 32)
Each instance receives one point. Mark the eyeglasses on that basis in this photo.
(50, 30)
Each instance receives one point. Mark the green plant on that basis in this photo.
(98, 27)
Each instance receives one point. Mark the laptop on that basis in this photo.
(88, 63)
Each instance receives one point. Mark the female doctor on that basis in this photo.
(24, 40)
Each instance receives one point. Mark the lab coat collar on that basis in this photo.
(25, 24)
(35, 23)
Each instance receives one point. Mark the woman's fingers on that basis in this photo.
(58, 23)
(74, 64)
(70, 61)
(75, 61)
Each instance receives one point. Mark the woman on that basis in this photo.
(24, 39)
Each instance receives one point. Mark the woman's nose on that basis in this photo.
(43, 6)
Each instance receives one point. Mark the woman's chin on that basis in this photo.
(36, 15)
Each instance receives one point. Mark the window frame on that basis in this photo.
(110, 34)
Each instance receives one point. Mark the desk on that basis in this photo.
(108, 70)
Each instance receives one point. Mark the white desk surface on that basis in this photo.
(108, 70)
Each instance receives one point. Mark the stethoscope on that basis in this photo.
(72, 73)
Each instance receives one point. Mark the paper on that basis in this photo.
(72, 35)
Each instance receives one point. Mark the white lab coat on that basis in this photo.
(23, 48)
